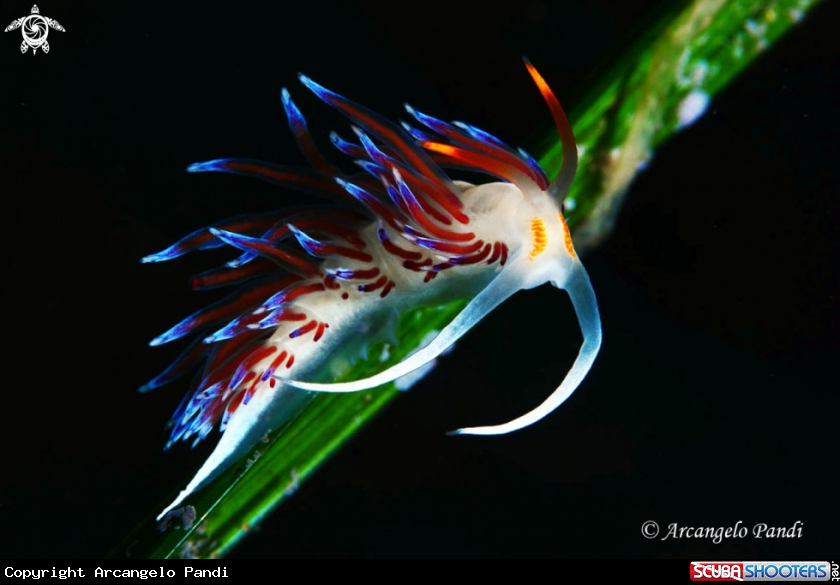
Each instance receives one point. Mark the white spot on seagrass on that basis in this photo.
(254, 459)
(754, 28)
(692, 107)
(386, 353)
(758, 31)
(188, 517)
(294, 485)
(186, 514)
(699, 72)
(189, 551)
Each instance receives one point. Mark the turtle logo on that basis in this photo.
(35, 28)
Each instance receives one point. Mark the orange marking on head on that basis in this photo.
(540, 238)
(567, 237)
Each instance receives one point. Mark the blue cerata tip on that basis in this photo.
(320, 91)
(200, 167)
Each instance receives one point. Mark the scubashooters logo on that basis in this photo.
(35, 29)
(760, 571)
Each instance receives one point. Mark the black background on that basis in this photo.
(714, 398)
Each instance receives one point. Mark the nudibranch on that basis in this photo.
(318, 284)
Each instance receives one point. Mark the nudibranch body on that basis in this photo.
(319, 284)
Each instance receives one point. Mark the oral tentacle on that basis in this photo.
(586, 307)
